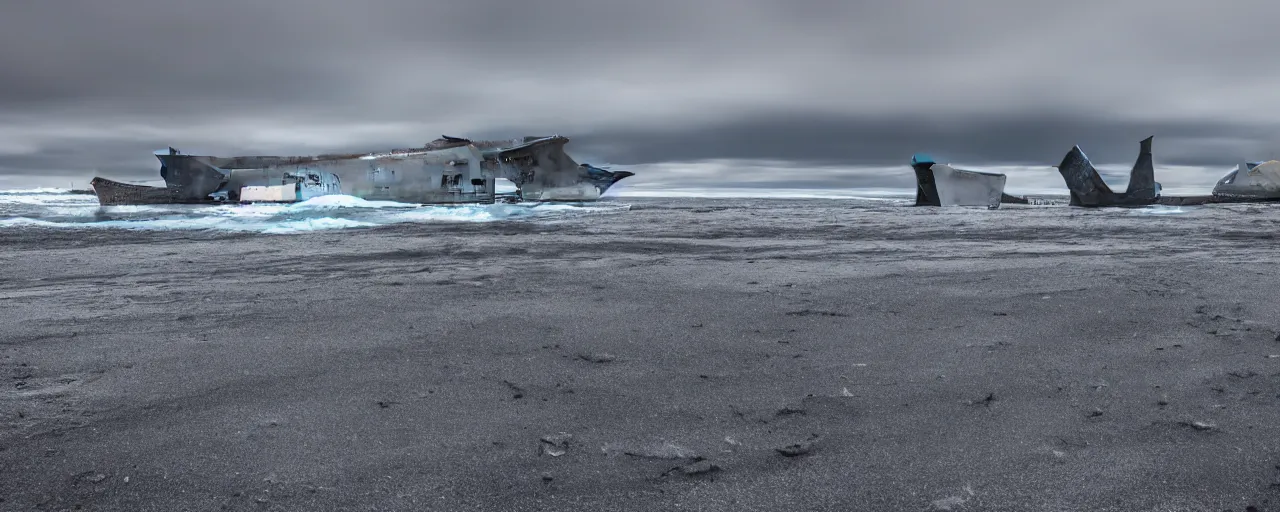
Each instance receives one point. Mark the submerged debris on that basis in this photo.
(986, 401)
(1198, 425)
(517, 392)
(811, 312)
(598, 358)
(798, 449)
(701, 467)
(555, 445)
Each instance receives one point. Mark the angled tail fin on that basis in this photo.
(1142, 179)
(926, 187)
(190, 177)
(1083, 180)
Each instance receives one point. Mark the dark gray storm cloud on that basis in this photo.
(93, 87)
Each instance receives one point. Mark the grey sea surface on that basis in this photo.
(639, 354)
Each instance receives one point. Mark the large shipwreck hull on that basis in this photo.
(444, 172)
(942, 185)
(1088, 189)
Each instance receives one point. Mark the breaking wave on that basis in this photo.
(54, 208)
(1158, 210)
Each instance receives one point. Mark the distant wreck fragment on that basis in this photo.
(1252, 181)
(1088, 189)
(448, 170)
(942, 185)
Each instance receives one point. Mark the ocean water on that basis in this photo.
(713, 213)
(61, 209)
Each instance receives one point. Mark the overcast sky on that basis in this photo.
(92, 87)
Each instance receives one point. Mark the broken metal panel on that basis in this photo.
(1250, 181)
(1011, 199)
(304, 184)
(452, 175)
(314, 184)
(961, 187)
(1088, 189)
(543, 171)
(191, 178)
(942, 185)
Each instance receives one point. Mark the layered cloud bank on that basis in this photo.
(817, 84)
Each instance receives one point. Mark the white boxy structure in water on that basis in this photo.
(942, 185)
(292, 186)
(269, 193)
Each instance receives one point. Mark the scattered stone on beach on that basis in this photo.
(812, 312)
(797, 449)
(985, 401)
(556, 445)
(517, 392)
(653, 450)
(598, 358)
(952, 502)
(1199, 425)
(949, 503)
(701, 467)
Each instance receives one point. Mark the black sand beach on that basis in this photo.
(717, 355)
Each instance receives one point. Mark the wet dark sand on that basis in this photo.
(1023, 359)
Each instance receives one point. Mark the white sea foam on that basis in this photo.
(317, 214)
(766, 193)
(1158, 210)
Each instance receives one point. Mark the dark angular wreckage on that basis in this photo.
(1088, 189)
(1250, 182)
(448, 170)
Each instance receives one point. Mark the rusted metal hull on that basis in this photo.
(114, 193)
